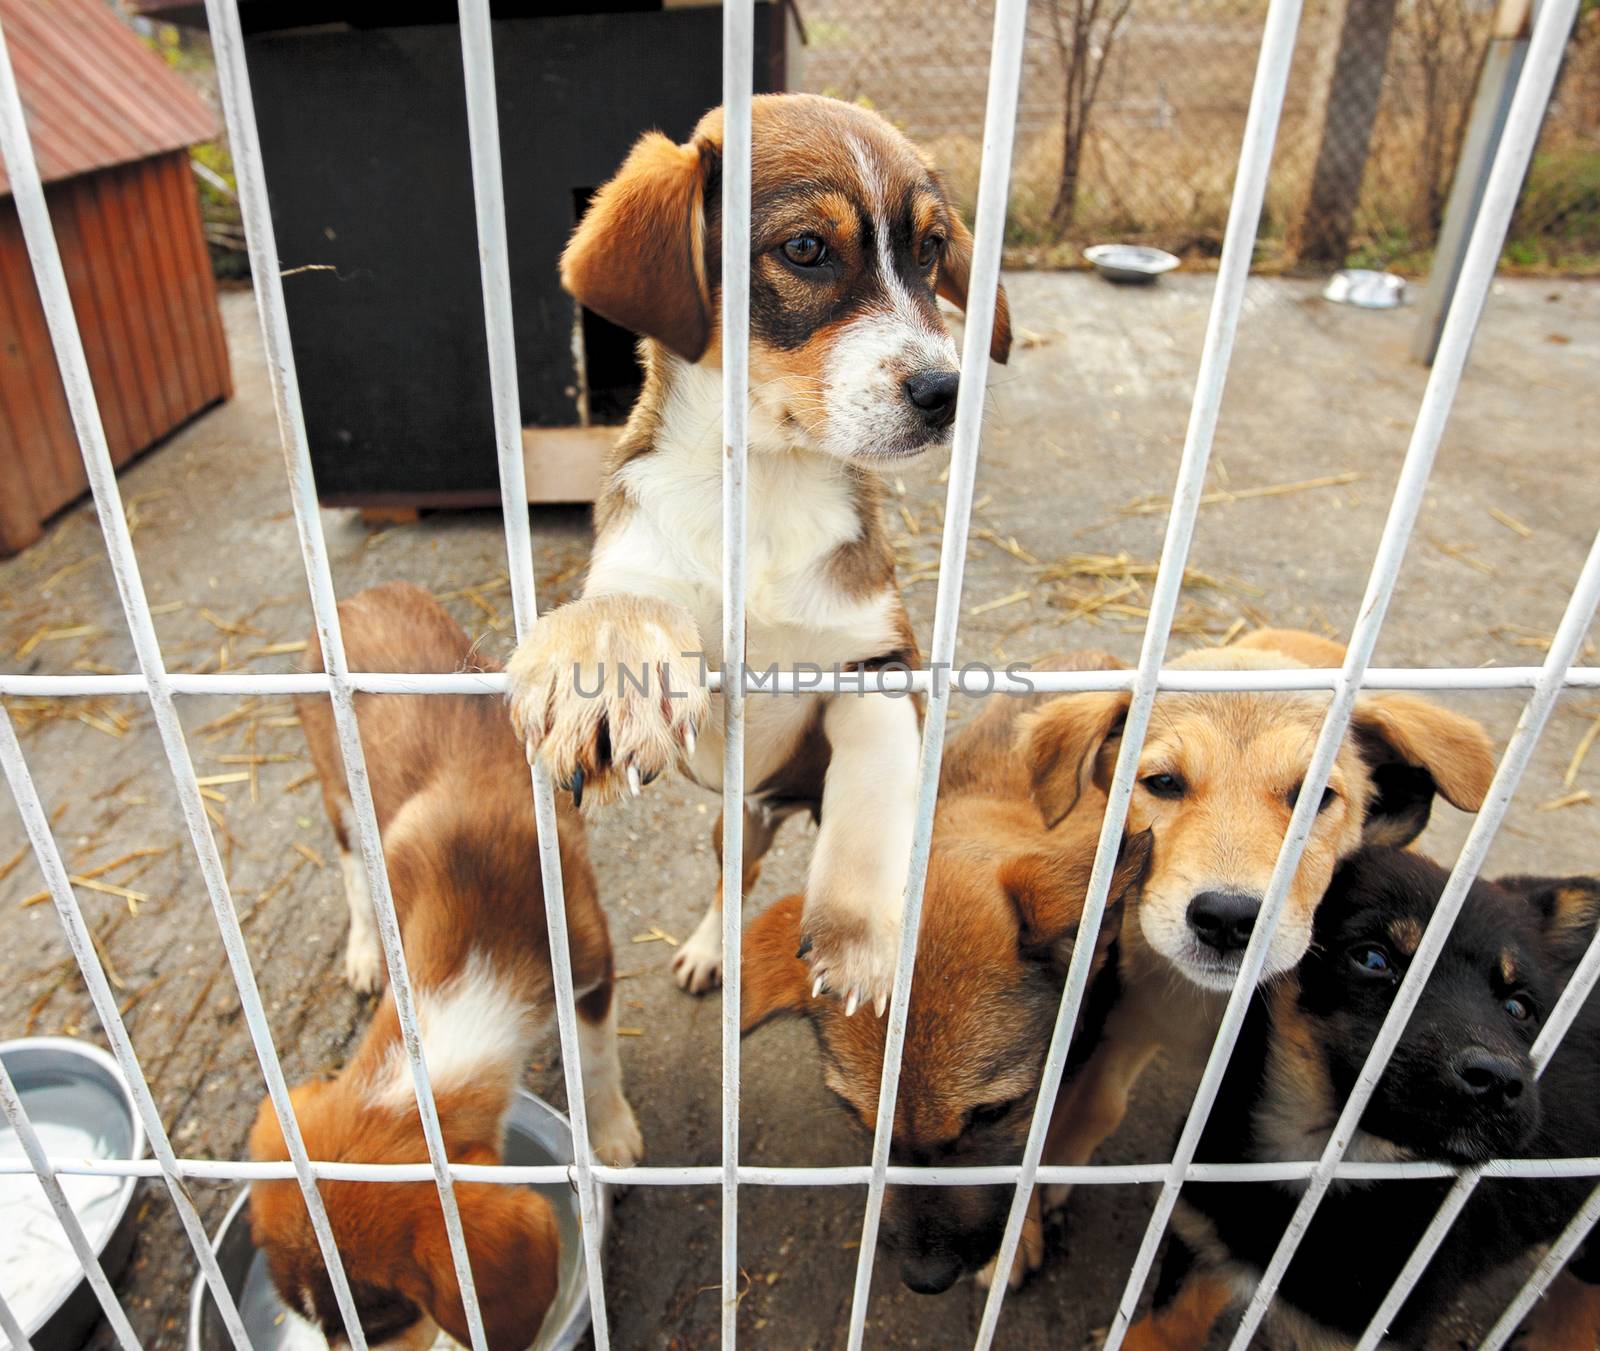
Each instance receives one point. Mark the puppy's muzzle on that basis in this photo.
(930, 1273)
(1223, 920)
(933, 394)
(1490, 1079)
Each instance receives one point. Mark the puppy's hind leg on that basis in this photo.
(363, 953)
(697, 965)
(613, 1130)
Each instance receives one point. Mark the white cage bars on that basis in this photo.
(153, 681)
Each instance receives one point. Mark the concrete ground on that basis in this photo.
(1083, 439)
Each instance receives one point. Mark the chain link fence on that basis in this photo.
(1132, 112)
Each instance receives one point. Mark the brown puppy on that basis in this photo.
(851, 370)
(456, 816)
(1000, 913)
(1217, 780)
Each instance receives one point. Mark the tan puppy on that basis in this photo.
(1217, 779)
(1000, 914)
(456, 816)
(851, 370)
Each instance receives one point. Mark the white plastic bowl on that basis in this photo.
(79, 1103)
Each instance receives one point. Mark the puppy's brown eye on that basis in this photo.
(991, 1112)
(1163, 785)
(929, 250)
(1328, 796)
(805, 251)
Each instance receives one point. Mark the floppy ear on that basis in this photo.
(772, 979)
(1060, 743)
(1415, 749)
(1048, 890)
(639, 255)
(955, 269)
(515, 1250)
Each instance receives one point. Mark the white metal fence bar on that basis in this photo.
(233, 79)
(71, 1226)
(999, 130)
(1549, 1268)
(1580, 610)
(1244, 215)
(1543, 64)
(488, 190)
(36, 825)
(738, 57)
(28, 193)
(848, 1175)
(977, 683)
(13, 1329)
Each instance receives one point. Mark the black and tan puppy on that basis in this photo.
(1000, 912)
(1460, 1088)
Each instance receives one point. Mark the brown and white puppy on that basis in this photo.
(851, 370)
(1217, 780)
(456, 816)
(1000, 913)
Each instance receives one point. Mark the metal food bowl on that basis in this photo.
(1129, 262)
(535, 1134)
(80, 1106)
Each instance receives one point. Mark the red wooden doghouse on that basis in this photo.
(111, 126)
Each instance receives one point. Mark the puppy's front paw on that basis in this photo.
(697, 965)
(614, 1132)
(606, 692)
(363, 963)
(852, 954)
(1028, 1259)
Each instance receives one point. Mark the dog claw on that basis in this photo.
(634, 785)
(880, 1005)
(576, 786)
(850, 1005)
(818, 986)
(805, 947)
(651, 777)
(688, 742)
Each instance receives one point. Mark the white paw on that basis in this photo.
(852, 955)
(697, 965)
(1028, 1259)
(614, 1133)
(602, 693)
(363, 964)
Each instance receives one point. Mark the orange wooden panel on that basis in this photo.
(197, 291)
(179, 331)
(122, 269)
(120, 383)
(45, 440)
(91, 319)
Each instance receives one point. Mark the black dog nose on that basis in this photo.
(930, 1273)
(1223, 919)
(1483, 1074)
(933, 394)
